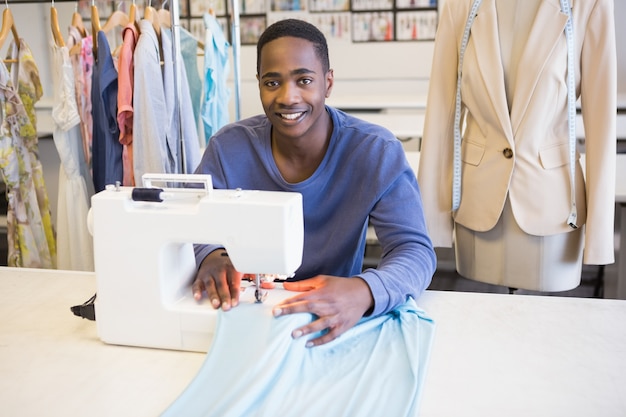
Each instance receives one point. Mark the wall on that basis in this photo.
(375, 74)
(359, 67)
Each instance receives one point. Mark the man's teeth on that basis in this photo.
(291, 116)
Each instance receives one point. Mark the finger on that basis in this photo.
(223, 295)
(301, 286)
(293, 305)
(234, 288)
(197, 288)
(212, 293)
(324, 325)
(323, 339)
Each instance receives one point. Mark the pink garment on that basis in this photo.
(75, 38)
(87, 61)
(125, 84)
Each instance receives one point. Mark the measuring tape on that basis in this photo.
(571, 114)
(456, 165)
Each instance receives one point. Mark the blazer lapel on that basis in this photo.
(486, 42)
(547, 30)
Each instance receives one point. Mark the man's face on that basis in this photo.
(293, 87)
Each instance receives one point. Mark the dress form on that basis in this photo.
(506, 255)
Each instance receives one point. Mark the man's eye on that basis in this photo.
(271, 83)
(306, 81)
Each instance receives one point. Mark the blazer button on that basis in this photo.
(508, 153)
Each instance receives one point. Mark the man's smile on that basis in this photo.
(290, 116)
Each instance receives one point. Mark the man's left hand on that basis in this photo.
(338, 303)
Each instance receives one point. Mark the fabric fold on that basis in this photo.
(254, 367)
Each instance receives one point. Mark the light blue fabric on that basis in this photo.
(216, 69)
(255, 368)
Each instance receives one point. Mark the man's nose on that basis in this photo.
(289, 94)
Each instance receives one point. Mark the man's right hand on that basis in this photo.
(220, 281)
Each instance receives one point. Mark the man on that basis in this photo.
(349, 173)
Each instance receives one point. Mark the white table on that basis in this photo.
(493, 355)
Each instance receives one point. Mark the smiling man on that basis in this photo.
(350, 173)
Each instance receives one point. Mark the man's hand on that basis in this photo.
(218, 277)
(338, 303)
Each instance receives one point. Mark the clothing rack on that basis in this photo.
(175, 24)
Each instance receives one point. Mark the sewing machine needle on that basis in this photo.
(258, 294)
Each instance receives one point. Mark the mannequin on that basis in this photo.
(511, 226)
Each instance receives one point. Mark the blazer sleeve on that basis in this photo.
(435, 173)
(598, 90)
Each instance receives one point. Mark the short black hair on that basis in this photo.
(298, 29)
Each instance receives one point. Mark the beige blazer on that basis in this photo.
(536, 173)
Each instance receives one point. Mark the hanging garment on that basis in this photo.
(30, 233)
(107, 149)
(83, 62)
(255, 368)
(74, 243)
(150, 112)
(189, 51)
(216, 92)
(180, 113)
(125, 100)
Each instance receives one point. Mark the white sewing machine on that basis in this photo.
(144, 260)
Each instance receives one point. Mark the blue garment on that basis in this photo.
(216, 68)
(255, 368)
(106, 147)
(189, 51)
(363, 176)
(150, 118)
(181, 121)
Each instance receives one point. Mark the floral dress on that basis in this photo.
(30, 233)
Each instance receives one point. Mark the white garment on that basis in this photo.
(74, 243)
(255, 368)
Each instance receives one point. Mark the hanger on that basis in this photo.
(8, 24)
(151, 15)
(95, 27)
(77, 21)
(165, 19)
(132, 13)
(118, 18)
(54, 25)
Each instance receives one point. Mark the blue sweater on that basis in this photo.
(363, 177)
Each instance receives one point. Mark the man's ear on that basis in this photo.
(330, 81)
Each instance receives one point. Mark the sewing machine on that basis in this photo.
(144, 260)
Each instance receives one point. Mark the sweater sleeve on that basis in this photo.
(408, 259)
